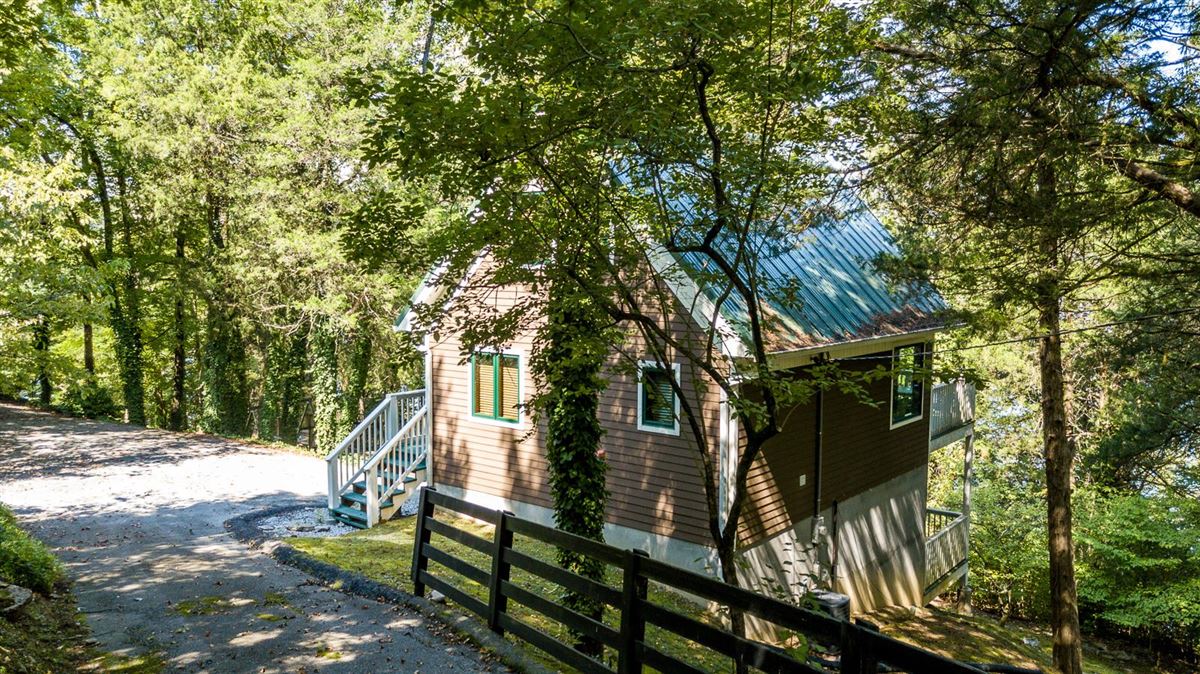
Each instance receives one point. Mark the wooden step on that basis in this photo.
(350, 516)
(361, 486)
(361, 499)
(393, 466)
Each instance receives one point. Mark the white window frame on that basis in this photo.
(920, 347)
(642, 365)
(470, 415)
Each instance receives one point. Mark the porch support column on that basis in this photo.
(964, 597)
(427, 349)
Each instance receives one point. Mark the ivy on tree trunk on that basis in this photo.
(324, 386)
(572, 350)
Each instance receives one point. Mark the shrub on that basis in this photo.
(1139, 566)
(87, 398)
(24, 560)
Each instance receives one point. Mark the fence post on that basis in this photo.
(420, 540)
(851, 655)
(633, 625)
(497, 601)
(865, 646)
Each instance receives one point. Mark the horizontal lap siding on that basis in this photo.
(859, 451)
(502, 460)
(653, 479)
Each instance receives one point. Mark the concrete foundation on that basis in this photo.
(698, 558)
(877, 558)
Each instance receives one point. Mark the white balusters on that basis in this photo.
(385, 433)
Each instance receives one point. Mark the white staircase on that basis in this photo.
(379, 465)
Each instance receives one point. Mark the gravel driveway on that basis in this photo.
(137, 517)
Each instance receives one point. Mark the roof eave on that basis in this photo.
(791, 358)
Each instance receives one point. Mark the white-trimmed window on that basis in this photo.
(658, 407)
(908, 388)
(496, 386)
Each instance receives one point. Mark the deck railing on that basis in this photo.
(349, 459)
(947, 538)
(952, 406)
(387, 471)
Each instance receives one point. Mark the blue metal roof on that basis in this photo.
(820, 287)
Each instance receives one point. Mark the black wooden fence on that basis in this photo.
(861, 648)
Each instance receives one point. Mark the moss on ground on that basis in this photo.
(328, 653)
(203, 606)
(275, 599)
(981, 638)
(111, 663)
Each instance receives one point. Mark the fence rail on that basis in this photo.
(862, 649)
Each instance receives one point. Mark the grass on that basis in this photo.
(24, 560)
(384, 554)
(48, 634)
(981, 638)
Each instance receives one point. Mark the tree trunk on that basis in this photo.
(89, 350)
(124, 324)
(226, 395)
(127, 323)
(727, 554)
(177, 419)
(41, 344)
(358, 368)
(1059, 456)
(324, 387)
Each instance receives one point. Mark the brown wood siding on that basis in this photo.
(653, 481)
(859, 451)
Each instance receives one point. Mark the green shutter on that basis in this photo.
(496, 386)
(658, 399)
(483, 381)
(508, 384)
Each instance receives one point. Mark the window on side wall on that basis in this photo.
(496, 386)
(908, 389)
(658, 408)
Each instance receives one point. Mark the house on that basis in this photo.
(837, 499)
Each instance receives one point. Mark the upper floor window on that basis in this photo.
(658, 408)
(496, 386)
(907, 386)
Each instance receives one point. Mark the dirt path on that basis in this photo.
(138, 518)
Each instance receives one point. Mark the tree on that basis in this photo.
(1000, 158)
(648, 137)
(210, 183)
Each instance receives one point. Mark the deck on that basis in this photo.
(951, 413)
(947, 532)
(947, 543)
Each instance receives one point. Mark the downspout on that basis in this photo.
(817, 443)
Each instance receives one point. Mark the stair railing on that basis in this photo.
(395, 461)
(348, 460)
